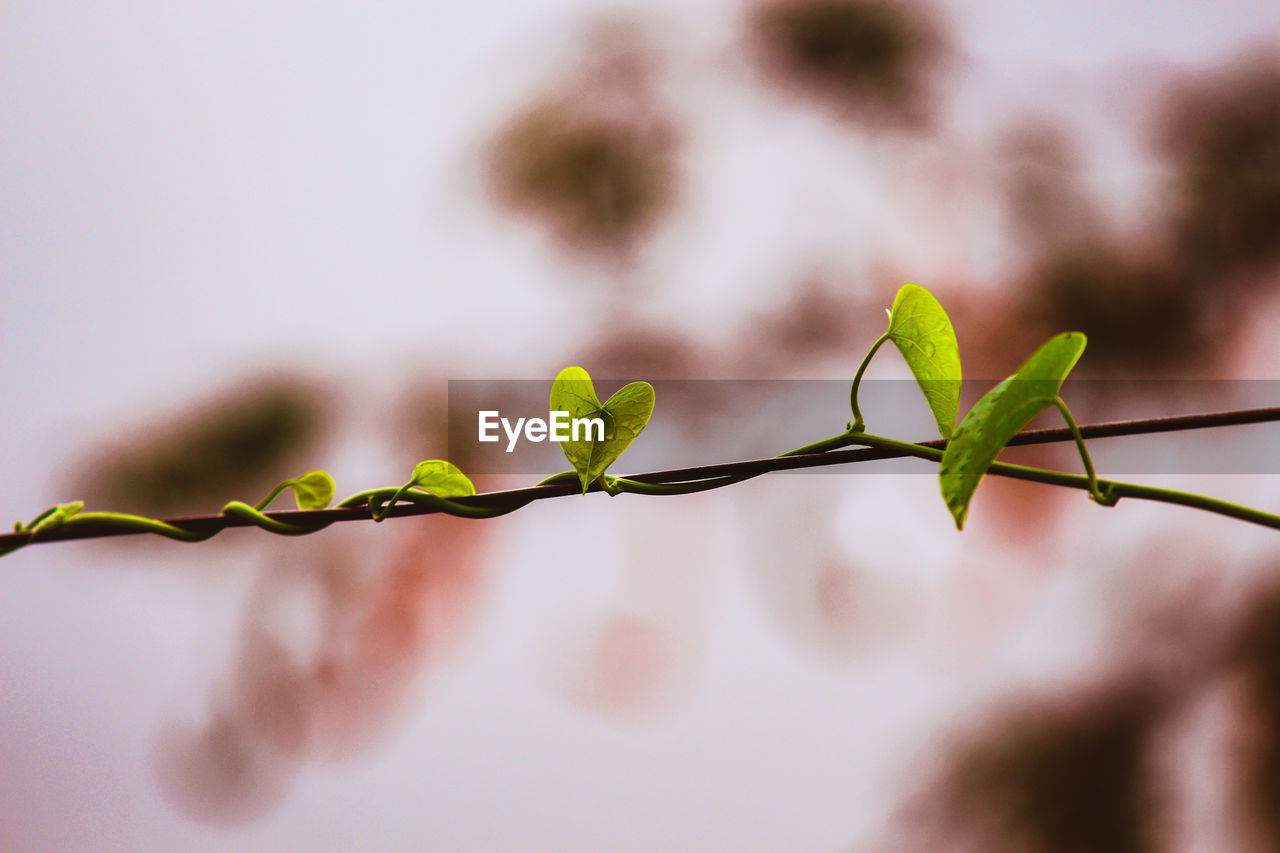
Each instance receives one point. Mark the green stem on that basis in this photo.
(373, 499)
(1096, 494)
(266, 502)
(239, 509)
(844, 439)
(31, 526)
(618, 485)
(859, 424)
(365, 497)
(380, 512)
(370, 498)
(562, 477)
(1114, 489)
(126, 521)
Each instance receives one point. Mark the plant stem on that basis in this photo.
(254, 514)
(1114, 490)
(136, 522)
(266, 502)
(859, 424)
(379, 510)
(86, 525)
(373, 499)
(1108, 499)
(622, 484)
(562, 477)
(844, 439)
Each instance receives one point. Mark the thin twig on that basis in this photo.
(719, 475)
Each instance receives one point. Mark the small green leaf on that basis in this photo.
(55, 516)
(313, 490)
(442, 479)
(922, 332)
(1000, 414)
(625, 415)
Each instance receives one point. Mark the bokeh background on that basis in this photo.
(239, 240)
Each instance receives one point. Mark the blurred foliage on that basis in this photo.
(1169, 302)
(423, 428)
(867, 59)
(807, 329)
(1255, 653)
(627, 348)
(1139, 313)
(1222, 136)
(1042, 183)
(598, 183)
(1140, 308)
(230, 447)
(816, 320)
(1060, 779)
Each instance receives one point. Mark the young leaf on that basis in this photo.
(54, 516)
(922, 332)
(443, 479)
(440, 478)
(625, 415)
(313, 490)
(1000, 414)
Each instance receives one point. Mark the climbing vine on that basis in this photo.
(919, 328)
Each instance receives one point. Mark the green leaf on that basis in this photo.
(922, 332)
(313, 490)
(55, 516)
(625, 415)
(1000, 414)
(442, 479)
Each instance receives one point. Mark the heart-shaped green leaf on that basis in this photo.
(442, 479)
(625, 415)
(1000, 414)
(922, 332)
(313, 490)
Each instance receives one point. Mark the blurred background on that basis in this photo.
(242, 240)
